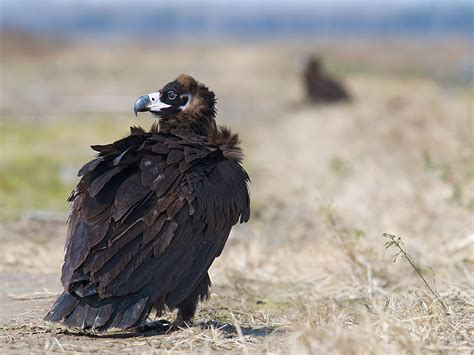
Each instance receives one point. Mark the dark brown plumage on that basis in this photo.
(151, 213)
(320, 87)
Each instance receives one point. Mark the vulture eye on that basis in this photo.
(171, 95)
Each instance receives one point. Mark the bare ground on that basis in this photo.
(309, 273)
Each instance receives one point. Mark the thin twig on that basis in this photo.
(397, 241)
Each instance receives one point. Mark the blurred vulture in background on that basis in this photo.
(151, 213)
(319, 87)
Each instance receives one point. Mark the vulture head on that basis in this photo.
(181, 104)
(313, 63)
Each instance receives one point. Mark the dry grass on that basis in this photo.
(309, 273)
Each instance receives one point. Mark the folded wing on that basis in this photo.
(148, 218)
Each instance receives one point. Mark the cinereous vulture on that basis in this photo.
(151, 213)
(319, 86)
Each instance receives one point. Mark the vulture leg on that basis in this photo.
(187, 308)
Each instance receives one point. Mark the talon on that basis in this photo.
(161, 325)
(180, 325)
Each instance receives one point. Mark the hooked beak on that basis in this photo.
(150, 102)
(142, 104)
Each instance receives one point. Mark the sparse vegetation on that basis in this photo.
(397, 243)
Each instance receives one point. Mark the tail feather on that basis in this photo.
(64, 306)
(78, 318)
(99, 314)
(130, 313)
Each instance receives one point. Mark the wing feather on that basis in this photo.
(149, 216)
(130, 192)
(88, 167)
(163, 182)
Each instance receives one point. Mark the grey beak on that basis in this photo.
(142, 104)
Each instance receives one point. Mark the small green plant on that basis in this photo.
(339, 166)
(394, 241)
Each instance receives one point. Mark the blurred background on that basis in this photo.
(329, 176)
(72, 69)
